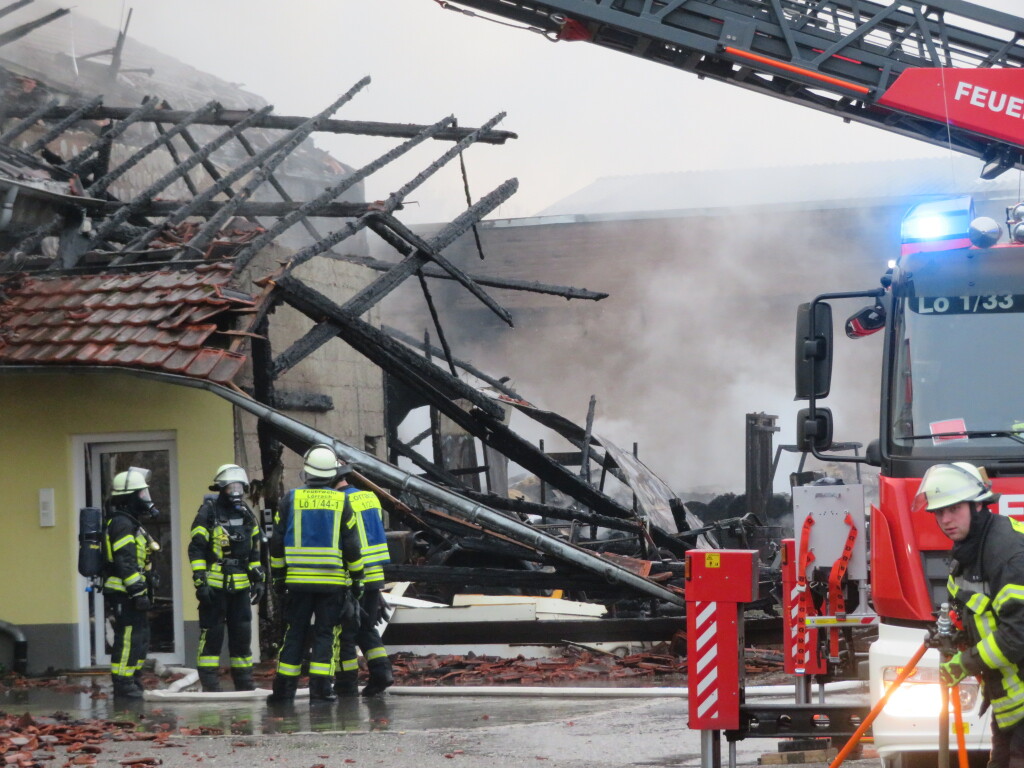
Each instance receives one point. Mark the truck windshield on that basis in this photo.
(958, 374)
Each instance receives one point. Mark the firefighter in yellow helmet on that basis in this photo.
(128, 586)
(227, 572)
(315, 558)
(986, 584)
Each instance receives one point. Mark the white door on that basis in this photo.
(101, 459)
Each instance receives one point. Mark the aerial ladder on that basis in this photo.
(943, 71)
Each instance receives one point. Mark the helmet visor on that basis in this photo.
(234, 489)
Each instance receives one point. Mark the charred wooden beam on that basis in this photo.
(306, 127)
(498, 384)
(395, 199)
(77, 164)
(441, 389)
(14, 6)
(433, 471)
(58, 128)
(291, 400)
(145, 197)
(564, 291)
(493, 577)
(325, 198)
(250, 208)
(362, 301)
(419, 372)
(523, 507)
(102, 183)
(18, 32)
(228, 117)
(23, 125)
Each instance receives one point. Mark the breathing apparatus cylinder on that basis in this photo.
(90, 541)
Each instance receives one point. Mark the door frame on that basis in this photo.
(163, 440)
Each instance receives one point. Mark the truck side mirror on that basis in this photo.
(814, 433)
(813, 351)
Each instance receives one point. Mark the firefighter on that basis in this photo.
(315, 561)
(128, 587)
(986, 584)
(228, 576)
(361, 629)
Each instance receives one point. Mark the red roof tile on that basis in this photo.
(158, 320)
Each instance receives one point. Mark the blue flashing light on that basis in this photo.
(938, 220)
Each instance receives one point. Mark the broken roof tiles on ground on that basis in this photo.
(170, 321)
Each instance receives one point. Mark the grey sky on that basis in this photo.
(582, 112)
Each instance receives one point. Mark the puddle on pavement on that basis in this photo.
(255, 717)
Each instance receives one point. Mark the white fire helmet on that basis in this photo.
(320, 461)
(130, 481)
(228, 474)
(944, 485)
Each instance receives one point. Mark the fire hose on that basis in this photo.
(906, 672)
(941, 638)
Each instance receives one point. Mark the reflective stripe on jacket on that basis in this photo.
(225, 545)
(126, 549)
(315, 542)
(373, 540)
(991, 594)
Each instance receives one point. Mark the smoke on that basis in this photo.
(698, 329)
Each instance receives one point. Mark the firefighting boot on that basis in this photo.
(320, 689)
(137, 680)
(210, 680)
(283, 691)
(381, 676)
(346, 683)
(125, 688)
(242, 678)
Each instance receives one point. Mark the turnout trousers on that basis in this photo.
(131, 635)
(324, 608)
(361, 631)
(1007, 747)
(232, 612)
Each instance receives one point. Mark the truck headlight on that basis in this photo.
(920, 696)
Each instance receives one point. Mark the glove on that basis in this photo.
(953, 671)
(256, 575)
(204, 592)
(373, 603)
(142, 602)
(256, 591)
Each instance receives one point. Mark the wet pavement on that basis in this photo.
(391, 730)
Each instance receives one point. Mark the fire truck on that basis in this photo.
(950, 308)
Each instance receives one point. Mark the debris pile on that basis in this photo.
(649, 668)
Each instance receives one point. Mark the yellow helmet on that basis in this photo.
(130, 481)
(944, 485)
(227, 474)
(320, 461)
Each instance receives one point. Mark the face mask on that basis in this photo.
(143, 504)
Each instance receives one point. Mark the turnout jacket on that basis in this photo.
(126, 552)
(989, 591)
(225, 545)
(315, 545)
(373, 541)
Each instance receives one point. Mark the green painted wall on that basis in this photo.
(40, 414)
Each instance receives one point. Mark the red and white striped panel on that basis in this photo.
(706, 663)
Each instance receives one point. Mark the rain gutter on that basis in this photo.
(382, 472)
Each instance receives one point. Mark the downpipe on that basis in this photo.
(381, 471)
(20, 664)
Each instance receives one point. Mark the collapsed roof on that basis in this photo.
(103, 266)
